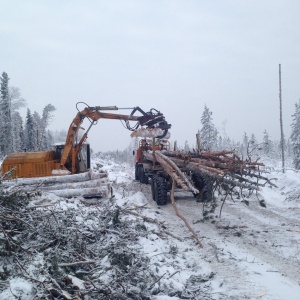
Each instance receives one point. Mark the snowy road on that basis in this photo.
(254, 251)
(258, 256)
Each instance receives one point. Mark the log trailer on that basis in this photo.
(201, 172)
(73, 156)
(154, 167)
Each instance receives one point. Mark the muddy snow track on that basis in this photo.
(248, 243)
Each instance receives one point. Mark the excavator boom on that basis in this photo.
(69, 157)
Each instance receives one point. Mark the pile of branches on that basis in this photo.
(73, 251)
(74, 257)
(224, 172)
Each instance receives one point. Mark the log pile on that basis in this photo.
(67, 186)
(222, 170)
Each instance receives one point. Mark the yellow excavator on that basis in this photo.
(73, 156)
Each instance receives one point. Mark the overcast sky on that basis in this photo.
(175, 56)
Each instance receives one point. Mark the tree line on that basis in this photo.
(32, 134)
(16, 134)
(248, 148)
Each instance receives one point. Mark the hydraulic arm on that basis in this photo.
(151, 119)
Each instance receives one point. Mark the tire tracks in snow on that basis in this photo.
(263, 239)
(228, 271)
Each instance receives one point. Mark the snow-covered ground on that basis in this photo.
(251, 252)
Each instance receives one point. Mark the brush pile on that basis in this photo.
(54, 248)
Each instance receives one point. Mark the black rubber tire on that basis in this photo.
(142, 176)
(160, 190)
(204, 188)
(198, 181)
(136, 173)
(152, 188)
(207, 194)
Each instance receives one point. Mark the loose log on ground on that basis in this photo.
(55, 179)
(69, 193)
(76, 185)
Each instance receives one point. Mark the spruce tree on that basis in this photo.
(267, 145)
(208, 132)
(18, 132)
(48, 140)
(245, 145)
(45, 121)
(29, 132)
(17, 102)
(295, 136)
(37, 131)
(6, 138)
(253, 146)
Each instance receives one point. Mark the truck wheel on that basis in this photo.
(198, 181)
(207, 195)
(136, 173)
(153, 187)
(160, 190)
(204, 188)
(142, 176)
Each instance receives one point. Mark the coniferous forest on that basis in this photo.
(31, 133)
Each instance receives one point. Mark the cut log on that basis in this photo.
(70, 193)
(76, 185)
(178, 171)
(55, 179)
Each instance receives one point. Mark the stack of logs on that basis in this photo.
(67, 186)
(223, 169)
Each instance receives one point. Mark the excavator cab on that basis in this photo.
(84, 156)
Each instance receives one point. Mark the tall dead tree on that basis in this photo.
(281, 124)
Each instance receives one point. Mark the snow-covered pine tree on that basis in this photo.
(47, 140)
(208, 132)
(295, 136)
(253, 146)
(59, 136)
(46, 120)
(18, 132)
(29, 132)
(6, 137)
(289, 149)
(228, 144)
(267, 145)
(186, 146)
(244, 146)
(37, 130)
(17, 102)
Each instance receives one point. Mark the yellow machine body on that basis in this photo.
(74, 155)
(30, 164)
